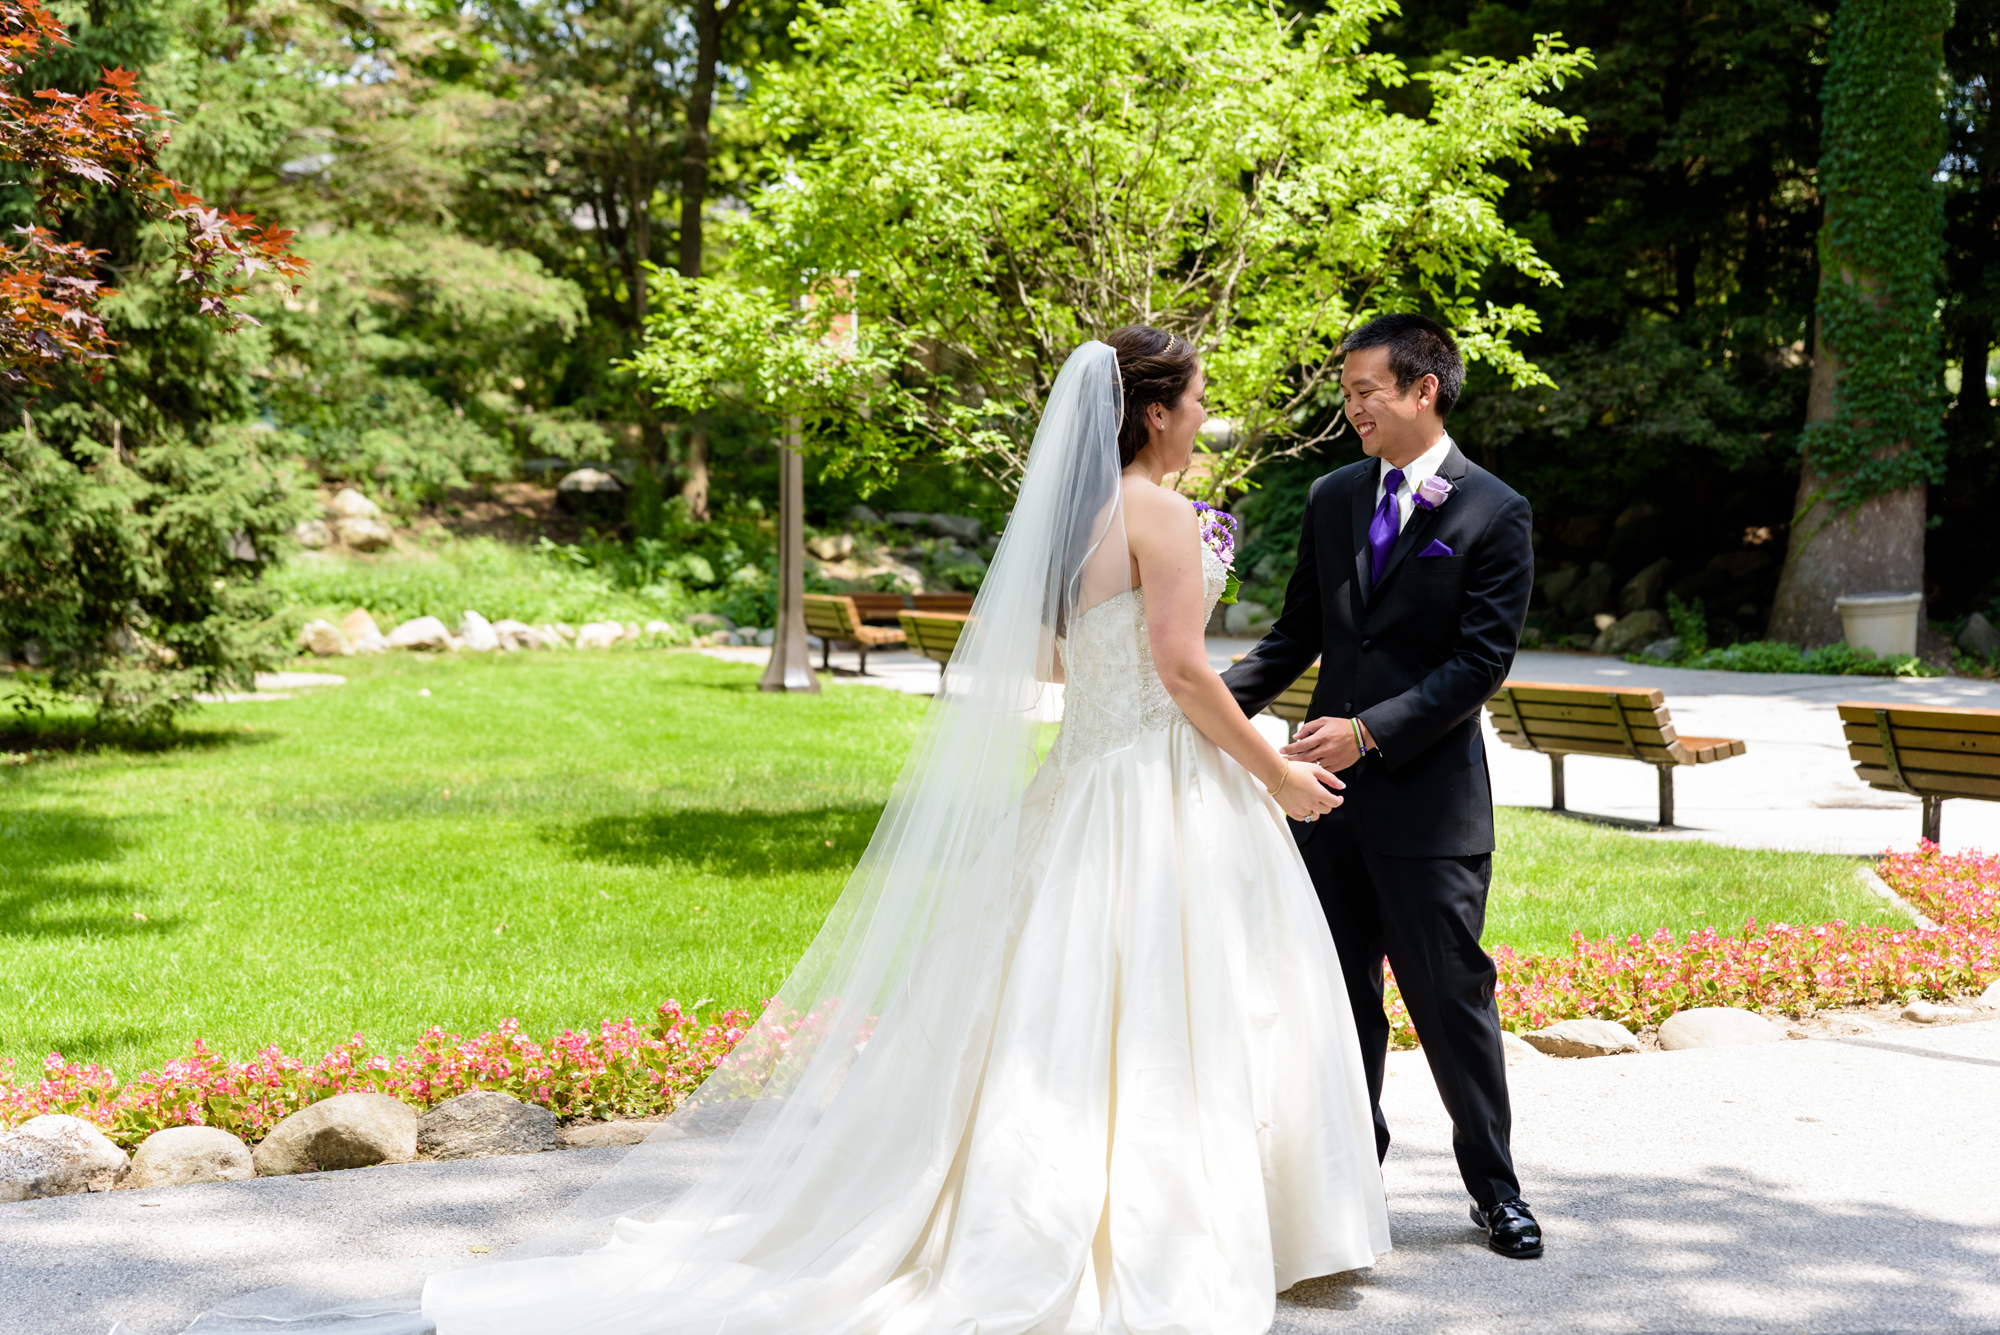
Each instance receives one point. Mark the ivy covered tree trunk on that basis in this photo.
(1873, 440)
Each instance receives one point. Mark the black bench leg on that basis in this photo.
(825, 655)
(1557, 802)
(1933, 814)
(862, 649)
(1666, 795)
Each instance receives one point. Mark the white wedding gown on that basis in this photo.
(1167, 1126)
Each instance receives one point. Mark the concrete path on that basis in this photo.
(1815, 1186)
(1793, 788)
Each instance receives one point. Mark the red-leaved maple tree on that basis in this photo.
(109, 138)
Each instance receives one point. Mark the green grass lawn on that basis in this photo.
(559, 838)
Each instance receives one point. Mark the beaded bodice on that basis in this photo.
(1111, 689)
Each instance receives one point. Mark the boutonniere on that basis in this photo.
(1432, 492)
(1218, 534)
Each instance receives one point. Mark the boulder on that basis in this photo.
(485, 1122)
(183, 1154)
(476, 632)
(1595, 592)
(58, 1155)
(515, 635)
(657, 628)
(553, 637)
(358, 625)
(1978, 638)
(1246, 620)
(1989, 1000)
(599, 634)
(364, 535)
(908, 518)
(1629, 632)
(767, 637)
(1519, 1051)
(1717, 1027)
(351, 504)
(324, 639)
(421, 633)
(1648, 588)
(1557, 584)
(591, 491)
(861, 514)
(313, 534)
(599, 1134)
(1666, 650)
(630, 633)
(959, 528)
(1923, 1012)
(345, 1131)
(703, 622)
(832, 546)
(1582, 1038)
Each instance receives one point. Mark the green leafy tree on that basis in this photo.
(983, 205)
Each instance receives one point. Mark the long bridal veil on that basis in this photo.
(792, 1185)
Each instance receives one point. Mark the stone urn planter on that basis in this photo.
(1883, 622)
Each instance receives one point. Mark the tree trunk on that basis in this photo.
(1875, 548)
(694, 486)
(709, 21)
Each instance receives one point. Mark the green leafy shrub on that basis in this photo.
(1690, 623)
(1833, 659)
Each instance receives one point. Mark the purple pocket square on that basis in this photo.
(1437, 549)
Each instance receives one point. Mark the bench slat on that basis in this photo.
(1927, 739)
(1647, 735)
(1904, 716)
(1543, 692)
(1932, 781)
(1595, 711)
(1944, 762)
(1652, 755)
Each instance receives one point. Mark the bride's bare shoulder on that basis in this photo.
(1149, 501)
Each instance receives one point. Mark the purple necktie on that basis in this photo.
(1382, 530)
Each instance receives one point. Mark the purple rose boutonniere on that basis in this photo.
(1432, 492)
(1218, 533)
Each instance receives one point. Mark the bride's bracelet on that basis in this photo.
(1283, 779)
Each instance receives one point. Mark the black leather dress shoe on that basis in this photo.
(1510, 1229)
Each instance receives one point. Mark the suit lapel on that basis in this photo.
(1364, 510)
(1422, 521)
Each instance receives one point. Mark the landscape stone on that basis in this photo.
(421, 633)
(1989, 1000)
(345, 1131)
(767, 636)
(1629, 632)
(599, 635)
(553, 637)
(832, 546)
(358, 625)
(1717, 1027)
(324, 639)
(631, 631)
(959, 528)
(183, 1154)
(607, 1133)
(1246, 620)
(1557, 584)
(1648, 588)
(485, 1122)
(1596, 592)
(1583, 1038)
(1978, 637)
(657, 628)
(364, 535)
(313, 534)
(861, 514)
(58, 1155)
(514, 635)
(477, 633)
(1923, 1012)
(908, 518)
(1518, 1050)
(351, 504)
(590, 491)
(1666, 650)
(703, 622)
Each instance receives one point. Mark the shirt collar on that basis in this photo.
(1421, 467)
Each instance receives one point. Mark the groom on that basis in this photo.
(1412, 583)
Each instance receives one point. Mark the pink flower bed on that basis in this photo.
(629, 1069)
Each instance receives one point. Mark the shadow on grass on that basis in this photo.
(37, 901)
(26, 735)
(732, 842)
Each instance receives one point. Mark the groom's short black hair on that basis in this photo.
(1417, 348)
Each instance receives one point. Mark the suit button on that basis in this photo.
(1366, 645)
(1348, 709)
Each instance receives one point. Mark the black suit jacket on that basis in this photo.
(1415, 657)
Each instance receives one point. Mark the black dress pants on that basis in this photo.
(1424, 915)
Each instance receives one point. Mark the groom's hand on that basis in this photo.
(1327, 742)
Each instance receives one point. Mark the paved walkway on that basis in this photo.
(1792, 788)
(1807, 1186)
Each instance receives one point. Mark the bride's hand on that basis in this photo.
(1308, 792)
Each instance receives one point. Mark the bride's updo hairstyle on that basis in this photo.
(1154, 367)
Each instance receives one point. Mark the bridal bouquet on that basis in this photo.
(1218, 531)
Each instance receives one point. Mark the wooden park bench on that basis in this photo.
(960, 603)
(1929, 753)
(933, 634)
(835, 619)
(1628, 722)
(879, 609)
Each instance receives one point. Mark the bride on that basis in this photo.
(1072, 1053)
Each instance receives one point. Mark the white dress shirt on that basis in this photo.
(1421, 467)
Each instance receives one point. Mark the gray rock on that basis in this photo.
(514, 635)
(701, 623)
(1923, 1012)
(313, 534)
(1629, 632)
(358, 626)
(1246, 620)
(1557, 585)
(908, 518)
(421, 633)
(1978, 637)
(653, 628)
(345, 1131)
(1582, 1038)
(767, 636)
(608, 1133)
(1648, 588)
(1596, 592)
(1666, 650)
(364, 535)
(832, 546)
(599, 634)
(485, 1122)
(1717, 1027)
(324, 639)
(1989, 1000)
(1519, 1051)
(590, 491)
(861, 514)
(477, 633)
(351, 504)
(58, 1155)
(183, 1154)
(959, 528)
